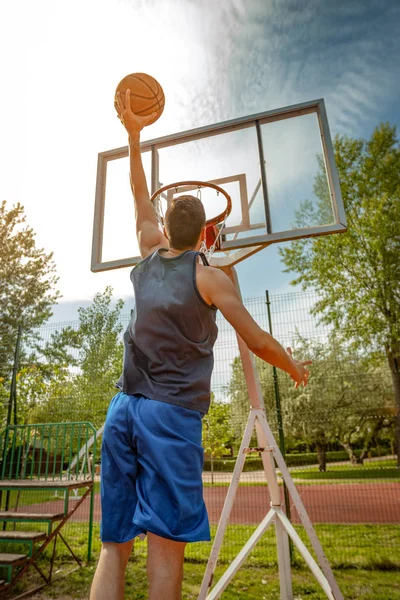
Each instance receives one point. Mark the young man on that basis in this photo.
(152, 456)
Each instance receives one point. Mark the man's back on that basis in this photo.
(169, 342)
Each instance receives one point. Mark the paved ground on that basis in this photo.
(328, 503)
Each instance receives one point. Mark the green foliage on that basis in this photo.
(41, 391)
(305, 459)
(27, 282)
(345, 399)
(239, 398)
(357, 275)
(74, 377)
(218, 435)
(227, 464)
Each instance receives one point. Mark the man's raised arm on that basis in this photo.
(147, 230)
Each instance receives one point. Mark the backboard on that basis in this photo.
(277, 166)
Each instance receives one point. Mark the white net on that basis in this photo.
(214, 203)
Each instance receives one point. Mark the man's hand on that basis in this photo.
(300, 374)
(132, 123)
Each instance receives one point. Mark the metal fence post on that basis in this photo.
(12, 403)
(279, 419)
(13, 387)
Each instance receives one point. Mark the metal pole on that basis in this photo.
(263, 178)
(279, 419)
(91, 510)
(13, 388)
(12, 402)
(276, 386)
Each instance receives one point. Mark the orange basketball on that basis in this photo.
(147, 95)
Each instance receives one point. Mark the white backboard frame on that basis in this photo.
(239, 248)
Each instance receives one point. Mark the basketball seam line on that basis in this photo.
(145, 83)
(139, 112)
(152, 91)
(149, 98)
(142, 97)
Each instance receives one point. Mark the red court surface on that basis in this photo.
(329, 503)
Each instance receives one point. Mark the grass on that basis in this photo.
(365, 559)
(252, 583)
(356, 474)
(389, 462)
(386, 471)
(27, 497)
(373, 465)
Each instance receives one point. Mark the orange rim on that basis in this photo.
(215, 220)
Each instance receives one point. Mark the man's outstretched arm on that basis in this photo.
(217, 288)
(147, 230)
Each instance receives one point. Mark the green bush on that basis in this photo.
(227, 464)
(254, 463)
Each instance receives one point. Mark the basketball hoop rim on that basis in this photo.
(210, 222)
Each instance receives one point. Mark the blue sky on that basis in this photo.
(216, 60)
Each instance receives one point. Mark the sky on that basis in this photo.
(216, 61)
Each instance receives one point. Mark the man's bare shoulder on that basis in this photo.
(209, 273)
(208, 280)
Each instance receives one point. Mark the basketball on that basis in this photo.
(147, 95)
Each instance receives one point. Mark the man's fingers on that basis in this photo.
(119, 114)
(289, 351)
(127, 105)
(306, 362)
(122, 105)
(119, 107)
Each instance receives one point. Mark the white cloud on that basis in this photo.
(347, 55)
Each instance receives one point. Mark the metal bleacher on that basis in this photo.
(36, 458)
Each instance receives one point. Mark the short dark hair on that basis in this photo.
(184, 220)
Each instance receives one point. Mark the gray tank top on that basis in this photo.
(168, 345)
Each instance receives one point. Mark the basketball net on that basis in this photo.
(211, 234)
(212, 231)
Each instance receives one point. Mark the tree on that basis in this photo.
(100, 354)
(218, 435)
(27, 281)
(75, 374)
(345, 400)
(46, 394)
(357, 274)
(239, 397)
(239, 400)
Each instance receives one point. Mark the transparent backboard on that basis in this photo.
(278, 168)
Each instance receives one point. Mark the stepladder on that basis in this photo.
(275, 515)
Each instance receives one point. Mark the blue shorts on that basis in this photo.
(151, 472)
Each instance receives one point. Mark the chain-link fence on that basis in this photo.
(337, 433)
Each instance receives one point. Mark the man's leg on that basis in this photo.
(109, 579)
(164, 567)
